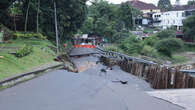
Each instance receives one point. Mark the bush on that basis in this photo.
(132, 45)
(7, 33)
(169, 45)
(179, 59)
(189, 47)
(151, 40)
(119, 36)
(145, 32)
(29, 35)
(113, 48)
(189, 28)
(149, 51)
(26, 50)
(166, 34)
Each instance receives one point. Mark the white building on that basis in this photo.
(174, 17)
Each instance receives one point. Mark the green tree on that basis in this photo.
(103, 16)
(110, 20)
(164, 4)
(87, 27)
(39, 16)
(189, 28)
(120, 36)
(4, 14)
(166, 34)
(169, 45)
(15, 10)
(149, 51)
(4, 4)
(132, 45)
(125, 15)
(191, 2)
(151, 41)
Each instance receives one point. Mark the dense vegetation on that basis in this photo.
(157, 47)
(189, 28)
(38, 16)
(28, 31)
(109, 21)
(26, 56)
(191, 2)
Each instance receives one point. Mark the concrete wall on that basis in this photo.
(149, 11)
(170, 18)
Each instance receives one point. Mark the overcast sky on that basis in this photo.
(148, 1)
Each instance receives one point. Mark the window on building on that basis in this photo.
(183, 14)
(168, 21)
(173, 21)
(180, 28)
(177, 14)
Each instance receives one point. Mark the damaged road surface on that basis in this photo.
(87, 90)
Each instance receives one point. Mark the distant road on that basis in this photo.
(82, 51)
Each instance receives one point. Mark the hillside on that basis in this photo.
(11, 65)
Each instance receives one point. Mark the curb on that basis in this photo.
(36, 72)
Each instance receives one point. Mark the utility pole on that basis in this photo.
(56, 27)
(38, 9)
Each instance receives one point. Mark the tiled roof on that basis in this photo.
(141, 5)
(183, 7)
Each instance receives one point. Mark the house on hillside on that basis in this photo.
(147, 9)
(174, 17)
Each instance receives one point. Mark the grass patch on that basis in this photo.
(189, 47)
(11, 65)
(147, 30)
(113, 48)
(176, 59)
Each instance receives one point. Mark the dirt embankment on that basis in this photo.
(85, 62)
(68, 63)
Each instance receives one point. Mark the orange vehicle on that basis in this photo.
(85, 42)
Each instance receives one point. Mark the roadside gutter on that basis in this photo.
(28, 75)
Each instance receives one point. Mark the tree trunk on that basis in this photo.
(15, 22)
(26, 19)
(38, 15)
(56, 27)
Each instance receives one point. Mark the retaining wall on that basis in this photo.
(159, 76)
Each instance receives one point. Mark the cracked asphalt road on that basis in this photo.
(62, 90)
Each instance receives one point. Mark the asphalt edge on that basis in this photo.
(36, 72)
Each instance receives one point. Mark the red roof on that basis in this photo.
(142, 5)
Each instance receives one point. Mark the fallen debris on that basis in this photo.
(68, 64)
(122, 82)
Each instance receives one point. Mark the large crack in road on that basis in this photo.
(87, 90)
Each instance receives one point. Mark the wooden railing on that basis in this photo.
(120, 56)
